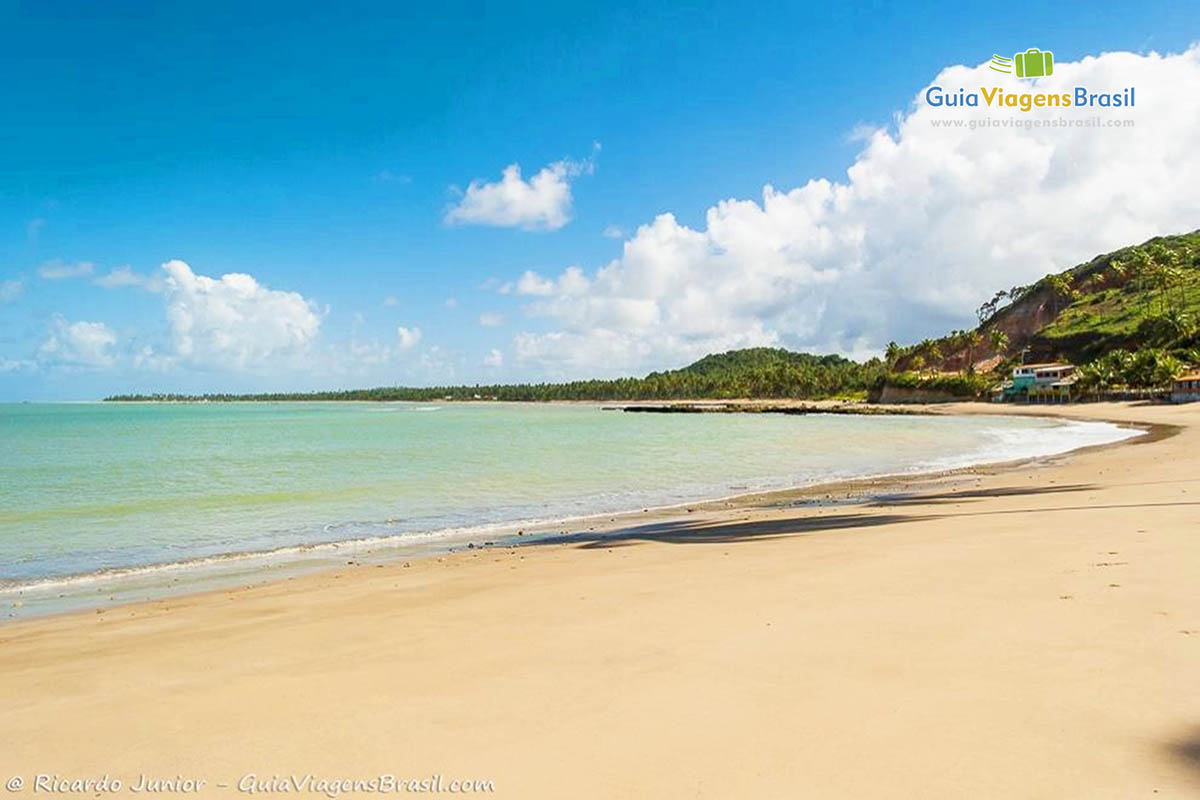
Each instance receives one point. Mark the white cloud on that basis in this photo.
(494, 358)
(529, 284)
(17, 365)
(58, 270)
(78, 344)
(541, 203)
(491, 319)
(408, 338)
(613, 232)
(234, 322)
(11, 290)
(451, 302)
(121, 276)
(150, 359)
(928, 222)
(125, 276)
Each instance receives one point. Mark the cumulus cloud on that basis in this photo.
(228, 324)
(78, 344)
(11, 290)
(407, 338)
(493, 359)
(613, 232)
(541, 203)
(57, 270)
(491, 319)
(234, 322)
(928, 222)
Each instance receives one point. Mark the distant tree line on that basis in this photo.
(756, 372)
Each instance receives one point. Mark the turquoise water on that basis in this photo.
(94, 488)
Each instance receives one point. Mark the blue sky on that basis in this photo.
(321, 151)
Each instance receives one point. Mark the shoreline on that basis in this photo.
(1023, 630)
(246, 569)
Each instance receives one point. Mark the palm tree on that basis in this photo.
(1150, 368)
(1169, 274)
(935, 355)
(1139, 265)
(892, 354)
(973, 339)
(999, 340)
(1061, 287)
(1118, 271)
(1094, 377)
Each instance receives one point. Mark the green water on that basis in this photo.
(98, 487)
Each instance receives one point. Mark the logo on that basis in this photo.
(1033, 63)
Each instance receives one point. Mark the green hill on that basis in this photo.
(1118, 308)
(1139, 298)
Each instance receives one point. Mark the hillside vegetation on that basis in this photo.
(1129, 316)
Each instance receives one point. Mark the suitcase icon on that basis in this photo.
(1034, 63)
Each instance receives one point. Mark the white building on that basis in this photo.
(1052, 381)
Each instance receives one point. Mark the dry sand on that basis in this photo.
(1027, 632)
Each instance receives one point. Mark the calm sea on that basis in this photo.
(91, 494)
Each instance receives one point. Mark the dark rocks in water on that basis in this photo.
(762, 408)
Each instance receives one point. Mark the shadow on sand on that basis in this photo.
(936, 498)
(702, 531)
(1187, 750)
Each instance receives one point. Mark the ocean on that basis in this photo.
(105, 503)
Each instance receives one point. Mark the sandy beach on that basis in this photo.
(1027, 631)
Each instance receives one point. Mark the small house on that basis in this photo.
(1186, 388)
(1052, 382)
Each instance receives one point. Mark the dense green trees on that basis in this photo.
(756, 372)
(1148, 368)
